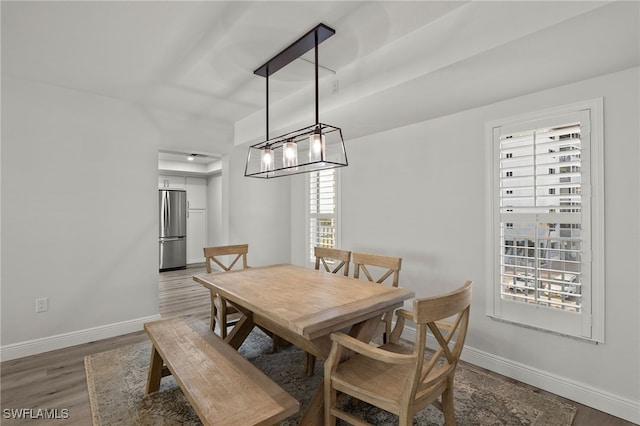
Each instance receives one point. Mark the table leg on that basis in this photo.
(240, 332)
(365, 330)
(314, 413)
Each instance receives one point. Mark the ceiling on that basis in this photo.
(189, 65)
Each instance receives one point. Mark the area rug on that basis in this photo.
(116, 381)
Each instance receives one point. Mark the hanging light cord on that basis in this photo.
(316, 58)
(267, 127)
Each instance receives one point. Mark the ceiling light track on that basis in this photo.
(295, 50)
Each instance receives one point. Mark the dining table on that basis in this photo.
(303, 306)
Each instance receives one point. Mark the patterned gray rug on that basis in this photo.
(116, 381)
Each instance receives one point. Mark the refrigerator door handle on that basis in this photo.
(165, 213)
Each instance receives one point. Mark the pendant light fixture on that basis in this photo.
(316, 147)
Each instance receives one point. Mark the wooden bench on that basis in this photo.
(221, 385)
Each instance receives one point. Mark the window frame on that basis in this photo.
(309, 258)
(591, 321)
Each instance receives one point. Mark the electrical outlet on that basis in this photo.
(42, 305)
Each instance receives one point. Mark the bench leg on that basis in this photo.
(155, 371)
(314, 414)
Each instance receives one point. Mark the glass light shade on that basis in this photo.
(289, 153)
(317, 147)
(292, 152)
(266, 159)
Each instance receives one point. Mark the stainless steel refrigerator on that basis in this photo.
(173, 229)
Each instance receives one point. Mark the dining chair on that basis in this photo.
(330, 256)
(397, 377)
(327, 257)
(389, 269)
(221, 310)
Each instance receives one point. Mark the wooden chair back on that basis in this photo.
(432, 317)
(389, 264)
(222, 312)
(416, 377)
(322, 254)
(341, 256)
(213, 254)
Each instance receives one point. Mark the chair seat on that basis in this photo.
(378, 382)
(373, 381)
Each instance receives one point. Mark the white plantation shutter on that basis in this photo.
(540, 210)
(543, 222)
(540, 170)
(322, 210)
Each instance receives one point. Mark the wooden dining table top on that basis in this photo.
(305, 301)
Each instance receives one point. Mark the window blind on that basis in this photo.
(540, 200)
(546, 249)
(322, 210)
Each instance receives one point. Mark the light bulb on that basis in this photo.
(316, 146)
(290, 153)
(266, 159)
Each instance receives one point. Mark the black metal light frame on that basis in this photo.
(332, 153)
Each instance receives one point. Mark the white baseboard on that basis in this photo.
(607, 402)
(59, 341)
(584, 394)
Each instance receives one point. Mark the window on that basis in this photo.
(322, 213)
(547, 269)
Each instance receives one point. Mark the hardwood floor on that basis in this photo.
(56, 380)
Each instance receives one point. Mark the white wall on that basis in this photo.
(215, 233)
(299, 219)
(79, 217)
(258, 212)
(419, 192)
